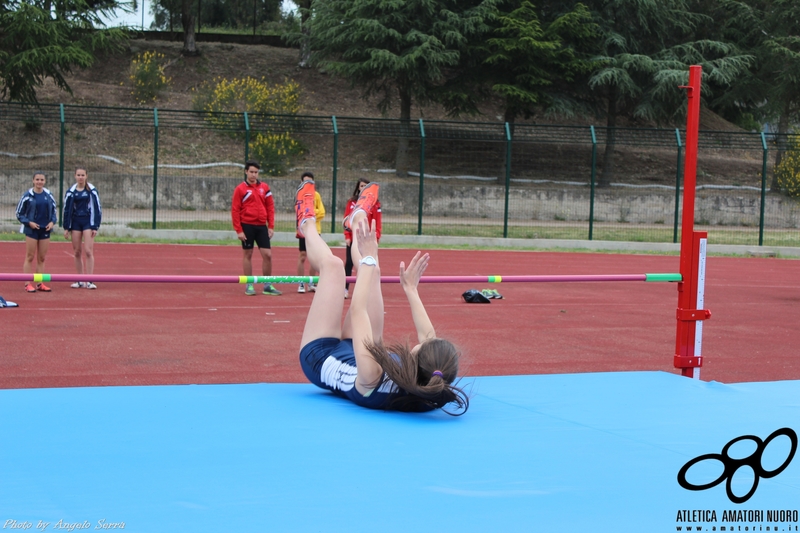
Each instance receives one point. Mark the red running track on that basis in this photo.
(142, 334)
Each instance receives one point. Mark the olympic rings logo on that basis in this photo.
(733, 465)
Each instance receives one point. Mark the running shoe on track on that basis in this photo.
(304, 203)
(30, 288)
(270, 290)
(249, 290)
(90, 285)
(301, 289)
(492, 294)
(44, 288)
(77, 285)
(366, 201)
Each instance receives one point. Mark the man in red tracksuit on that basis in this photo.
(253, 216)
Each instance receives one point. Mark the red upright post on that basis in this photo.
(688, 356)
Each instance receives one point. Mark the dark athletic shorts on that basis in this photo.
(257, 234)
(39, 234)
(81, 223)
(302, 243)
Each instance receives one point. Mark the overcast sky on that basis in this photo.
(135, 19)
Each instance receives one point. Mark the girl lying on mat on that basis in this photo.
(349, 358)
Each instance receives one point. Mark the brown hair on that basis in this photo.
(357, 192)
(427, 377)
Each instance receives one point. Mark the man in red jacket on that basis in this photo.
(253, 216)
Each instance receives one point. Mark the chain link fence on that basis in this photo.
(173, 169)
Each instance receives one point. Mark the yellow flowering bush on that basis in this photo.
(789, 168)
(147, 76)
(273, 149)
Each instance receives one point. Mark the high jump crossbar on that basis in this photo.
(123, 278)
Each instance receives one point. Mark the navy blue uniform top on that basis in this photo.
(330, 363)
(81, 203)
(41, 213)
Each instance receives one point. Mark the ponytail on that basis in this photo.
(429, 376)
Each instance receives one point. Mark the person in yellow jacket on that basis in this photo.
(319, 213)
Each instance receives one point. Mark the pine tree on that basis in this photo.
(647, 48)
(400, 50)
(770, 90)
(532, 63)
(40, 41)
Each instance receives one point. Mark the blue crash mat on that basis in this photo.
(578, 452)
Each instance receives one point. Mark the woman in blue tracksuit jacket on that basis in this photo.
(36, 212)
(81, 220)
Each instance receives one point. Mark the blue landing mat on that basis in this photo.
(579, 452)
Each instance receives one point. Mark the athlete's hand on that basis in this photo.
(67, 234)
(409, 278)
(366, 239)
(33, 225)
(49, 226)
(241, 236)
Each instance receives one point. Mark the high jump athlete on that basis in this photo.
(349, 357)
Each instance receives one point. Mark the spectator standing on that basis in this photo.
(319, 214)
(37, 212)
(253, 217)
(81, 220)
(373, 214)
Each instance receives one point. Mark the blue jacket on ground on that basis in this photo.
(95, 211)
(26, 210)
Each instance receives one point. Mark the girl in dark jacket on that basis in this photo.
(36, 211)
(81, 220)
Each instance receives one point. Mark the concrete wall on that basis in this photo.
(442, 198)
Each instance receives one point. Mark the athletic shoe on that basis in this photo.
(492, 294)
(44, 288)
(346, 294)
(249, 290)
(77, 285)
(90, 285)
(30, 288)
(6, 303)
(270, 290)
(310, 287)
(304, 203)
(366, 201)
(301, 289)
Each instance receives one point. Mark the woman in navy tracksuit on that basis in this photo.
(36, 212)
(81, 220)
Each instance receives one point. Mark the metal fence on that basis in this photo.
(158, 168)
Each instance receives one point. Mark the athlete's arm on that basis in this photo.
(368, 370)
(409, 279)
